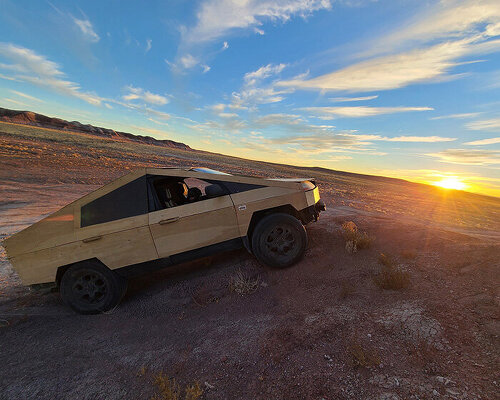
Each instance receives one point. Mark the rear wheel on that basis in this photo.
(279, 240)
(91, 288)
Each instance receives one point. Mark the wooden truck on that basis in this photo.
(155, 217)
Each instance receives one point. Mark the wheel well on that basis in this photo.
(257, 216)
(62, 269)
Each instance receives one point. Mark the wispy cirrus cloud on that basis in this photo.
(492, 124)
(425, 50)
(389, 72)
(468, 156)
(28, 66)
(87, 29)
(144, 95)
(26, 96)
(484, 142)
(457, 116)
(351, 99)
(361, 111)
(218, 18)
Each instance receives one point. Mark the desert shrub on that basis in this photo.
(362, 357)
(392, 278)
(193, 392)
(363, 240)
(355, 239)
(242, 283)
(169, 389)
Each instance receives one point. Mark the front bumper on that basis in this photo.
(311, 213)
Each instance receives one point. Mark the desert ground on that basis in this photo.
(327, 328)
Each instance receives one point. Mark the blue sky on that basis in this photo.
(407, 88)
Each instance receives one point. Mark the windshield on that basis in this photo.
(209, 171)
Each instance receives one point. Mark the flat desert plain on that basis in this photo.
(413, 316)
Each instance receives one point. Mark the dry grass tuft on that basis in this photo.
(243, 284)
(362, 357)
(391, 277)
(386, 260)
(355, 239)
(193, 392)
(169, 389)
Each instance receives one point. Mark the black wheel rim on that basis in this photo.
(90, 288)
(281, 241)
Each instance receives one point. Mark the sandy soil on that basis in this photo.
(320, 330)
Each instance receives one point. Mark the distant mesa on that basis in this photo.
(34, 119)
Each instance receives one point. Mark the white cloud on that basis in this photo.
(31, 67)
(426, 49)
(468, 157)
(188, 61)
(447, 19)
(485, 125)
(259, 31)
(87, 29)
(255, 91)
(149, 44)
(252, 78)
(225, 46)
(389, 72)
(483, 142)
(349, 99)
(26, 96)
(457, 116)
(144, 95)
(217, 18)
(362, 111)
(418, 139)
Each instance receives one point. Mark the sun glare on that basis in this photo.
(451, 182)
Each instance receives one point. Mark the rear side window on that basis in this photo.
(235, 187)
(128, 200)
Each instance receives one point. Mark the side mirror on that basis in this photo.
(214, 190)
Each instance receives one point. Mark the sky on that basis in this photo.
(407, 89)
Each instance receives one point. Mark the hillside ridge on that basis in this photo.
(43, 121)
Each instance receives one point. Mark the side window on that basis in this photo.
(195, 183)
(169, 191)
(128, 200)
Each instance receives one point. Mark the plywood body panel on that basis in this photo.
(246, 203)
(115, 250)
(191, 226)
(54, 230)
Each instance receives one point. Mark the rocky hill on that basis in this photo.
(34, 119)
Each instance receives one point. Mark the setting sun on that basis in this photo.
(451, 182)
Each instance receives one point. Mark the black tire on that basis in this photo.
(279, 240)
(89, 287)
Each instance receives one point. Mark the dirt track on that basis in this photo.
(305, 331)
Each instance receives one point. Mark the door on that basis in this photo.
(193, 224)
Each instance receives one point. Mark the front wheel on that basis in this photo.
(279, 240)
(91, 288)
